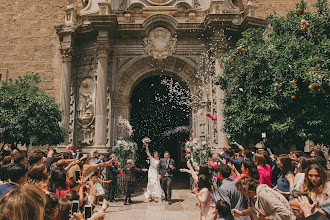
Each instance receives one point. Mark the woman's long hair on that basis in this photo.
(204, 182)
(307, 186)
(259, 159)
(287, 162)
(57, 179)
(253, 171)
(37, 173)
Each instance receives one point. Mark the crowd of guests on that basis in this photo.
(52, 186)
(233, 185)
(260, 185)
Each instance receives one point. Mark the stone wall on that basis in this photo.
(28, 41)
(266, 7)
(29, 44)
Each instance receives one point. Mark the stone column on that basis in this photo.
(220, 96)
(102, 48)
(220, 46)
(66, 88)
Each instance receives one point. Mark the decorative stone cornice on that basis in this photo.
(67, 54)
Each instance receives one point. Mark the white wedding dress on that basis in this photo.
(153, 187)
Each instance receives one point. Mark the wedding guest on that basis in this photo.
(235, 159)
(112, 175)
(317, 152)
(64, 209)
(99, 188)
(206, 205)
(58, 182)
(130, 171)
(248, 169)
(51, 207)
(223, 210)
(265, 171)
(23, 203)
(283, 186)
(38, 157)
(228, 192)
(271, 161)
(303, 207)
(295, 156)
(317, 187)
(21, 158)
(264, 202)
(16, 174)
(38, 175)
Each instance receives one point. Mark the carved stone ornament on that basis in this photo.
(160, 2)
(66, 54)
(85, 110)
(160, 44)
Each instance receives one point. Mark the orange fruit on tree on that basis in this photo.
(324, 92)
(293, 97)
(310, 87)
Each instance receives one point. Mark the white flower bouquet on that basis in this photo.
(197, 151)
(125, 150)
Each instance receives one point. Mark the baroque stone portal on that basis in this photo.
(125, 42)
(160, 44)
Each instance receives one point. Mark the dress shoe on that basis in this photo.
(130, 201)
(166, 199)
(169, 202)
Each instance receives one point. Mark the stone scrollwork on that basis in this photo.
(88, 136)
(160, 44)
(85, 110)
(197, 4)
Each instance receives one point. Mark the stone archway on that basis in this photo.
(181, 69)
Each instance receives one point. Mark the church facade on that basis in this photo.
(108, 47)
(98, 51)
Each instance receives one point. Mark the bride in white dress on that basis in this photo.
(153, 188)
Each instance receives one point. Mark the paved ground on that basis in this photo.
(183, 208)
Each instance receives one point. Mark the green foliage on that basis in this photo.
(125, 150)
(29, 115)
(280, 81)
(197, 151)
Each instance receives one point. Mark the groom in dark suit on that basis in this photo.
(165, 170)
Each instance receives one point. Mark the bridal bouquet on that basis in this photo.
(146, 140)
(125, 150)
(197, 151)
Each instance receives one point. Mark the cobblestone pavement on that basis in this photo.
(183, 208)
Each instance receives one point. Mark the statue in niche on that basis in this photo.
(85, 103)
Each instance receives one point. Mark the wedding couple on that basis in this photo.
(160, 176)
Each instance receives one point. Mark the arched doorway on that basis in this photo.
(161, 110)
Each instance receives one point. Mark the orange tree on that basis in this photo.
(29, 115)
(278, 80)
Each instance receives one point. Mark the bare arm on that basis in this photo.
(147, 150)
(103, 181)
